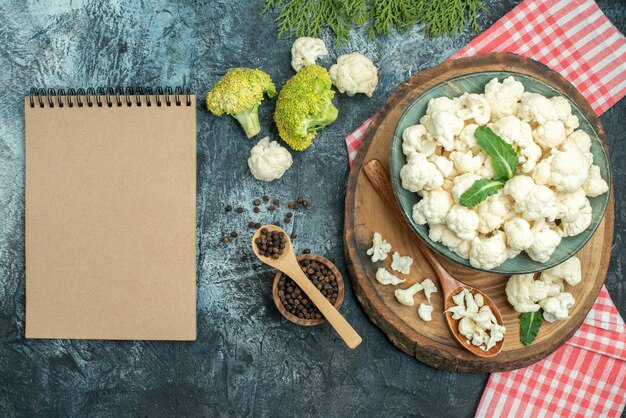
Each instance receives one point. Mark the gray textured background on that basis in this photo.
(247, 359)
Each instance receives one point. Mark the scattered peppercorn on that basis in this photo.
(256, 209)
(251, 224)
(256, 202)
(289, 214)
(234, 234)
(305, 203)
(228, 208)
(287, 219)
(276, 202)
(299, 200)
(291, 205)
(225, 239)
(294, 235)
(266, 198)
(271, 243)
(243, 258)
(240, 210)
(306, 251)
(296, 301)
(271, 208)
(257, 225)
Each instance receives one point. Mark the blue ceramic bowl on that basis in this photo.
(475, 83)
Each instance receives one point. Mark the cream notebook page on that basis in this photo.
(111, 218)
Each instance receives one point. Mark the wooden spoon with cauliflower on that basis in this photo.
(473, 318)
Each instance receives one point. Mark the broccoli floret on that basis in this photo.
(239, 94)
(305, 105)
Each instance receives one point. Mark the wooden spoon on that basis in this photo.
(450, 286)
(288, 264)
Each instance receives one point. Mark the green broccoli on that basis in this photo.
(239, 94)
(305, 105)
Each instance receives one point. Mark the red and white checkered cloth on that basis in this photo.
(587, 375)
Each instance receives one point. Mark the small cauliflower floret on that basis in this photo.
(305, 51)
(538, 204)
(513, 131)
(433, 207)
(463, 222)
(474, 107)
(549, 135)
(492, 212)
(384, 277)
(568, 271)
(535, 108)
(425, 312)
(524, 292)
(443, 127)
(486, 171)
(441, 233)
(528, 157)
(519, 236)
(541, 172)
(268, 160)
(466, 328)
(380, 248)
(445, 166)
(466, 162)
(569, 205)
(420, 174)
(578, 225)
(462, 183)
(503, 97)
(401, 264)
(595, 185)
(518, 188)
(581, 139)
(405, 296)
(488, 252)
(467, 140)
(441, 104)
(557, 308)
(354, 73)
(546, 241)
(415, 140)
(564, 110)
(569, 169)
(429, 288)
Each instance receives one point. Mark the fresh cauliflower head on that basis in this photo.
(433, 207)
(420, 174)
(474, 107)
(305, 51)
(443, 127)
(545, 242)
(550, 134)
(524, 292)
(463, 222)
(539, 204)
(488, 252)
(556, 308)
(569, 168)
(519, 236)
(503, 97)
(535, 108)
(415, 141)
(354, 73)
(268, 160)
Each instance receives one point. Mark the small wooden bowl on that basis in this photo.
(301, 321)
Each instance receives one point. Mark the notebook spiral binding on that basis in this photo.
(110, 97)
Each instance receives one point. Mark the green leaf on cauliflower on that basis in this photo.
(504, 159)
(479, 191)
(530, 322)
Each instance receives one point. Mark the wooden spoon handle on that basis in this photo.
(381, 181)
(338, 322)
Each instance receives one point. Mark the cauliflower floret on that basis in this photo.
(569, 205)
(519, 236)
(486, 171)
(268, 160)
(595, 185)
(354, 73)
(528, 157)
(578, 225)
(385, 277)
(557, 308)
(523, 292)
(550, 134)
(545, 242)
(420, 174)
(429, 288)
(401, 264)
(441, 104)
(463, 249)
(564, 110)
(538, 204)
(466, 162)
(518, 188)
(433, 208)
(441, 233)
(462, 183)
(443, 127)
(405, 296)
(488, 252)
(415, 140)
(425, 312)
(503, 97)
(536, 108)
(474, 107)
(305, 51)
(380, 248)
(467, 140)
(581, 139)
(492, 212)
(568, 271)
(463, 222)
(445, 166)
(513, 131)
(569, 169)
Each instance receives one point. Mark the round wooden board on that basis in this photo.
(431, 342)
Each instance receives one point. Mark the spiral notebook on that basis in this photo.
(110, 214)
